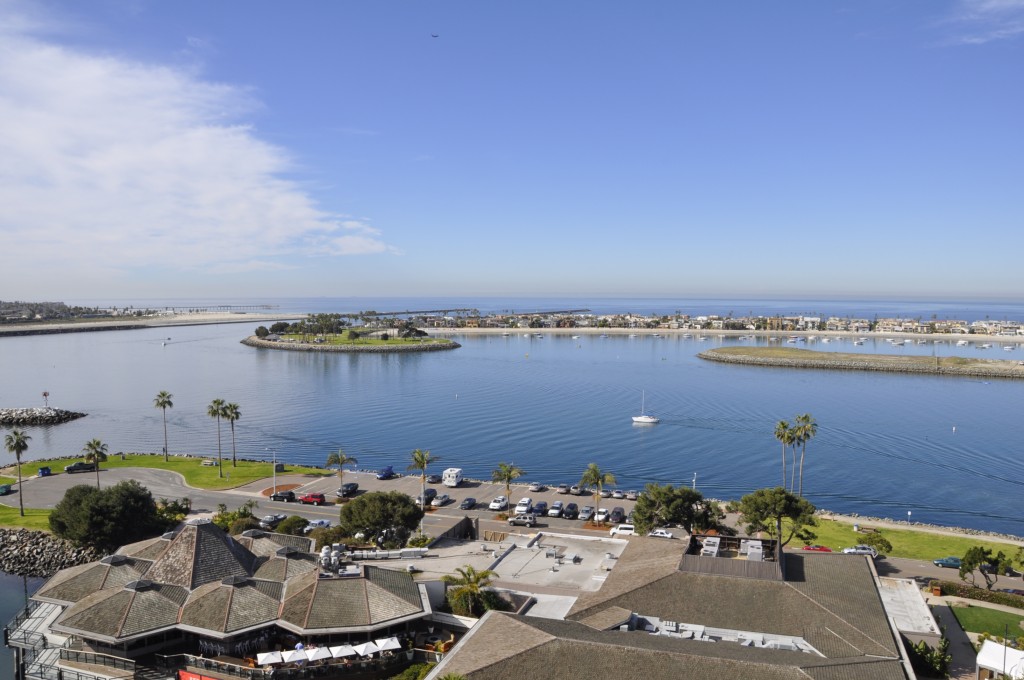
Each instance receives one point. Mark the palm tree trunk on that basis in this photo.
(792, 473)
(233, 462)
(165, 433)
(220, 462)
(783, 465)
(21, 499)
(97, 474)
(803, 452)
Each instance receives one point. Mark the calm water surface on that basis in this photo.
(886, 444)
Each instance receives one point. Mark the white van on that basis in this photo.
(452, 477)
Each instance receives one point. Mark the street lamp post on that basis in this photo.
(274, 463)
(694, 481)
(908, 516)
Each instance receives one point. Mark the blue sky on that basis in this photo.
(255, 148)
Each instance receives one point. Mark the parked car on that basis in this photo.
(632, 495)
(571, 511)
(433, 479)
(861, 550)
(283, 496)
(316, 524)
(467, 503)
(540, 508)
(440, 500)
(816, 548)
(587, 513)
(562, 488)
(271, 521)
(387, 473)
(347, 489)
(523, 519)
(313, 499)
(525, 504)
(576, 490)
(622, 530)
(660, 533)
(80, 466)
(601, 515)
(618, 494)
(499, 503)
(427, 497)
(948, 562)
(617, 516)
(556, 509)
(1014, 591)
(536, 486)
(605, 493)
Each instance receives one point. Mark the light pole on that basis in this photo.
(694, 481)
(908, 516)
(274, 463)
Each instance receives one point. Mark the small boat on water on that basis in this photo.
(858, 342)
(961, 343)
(644, 418)
(575, 337)
(985, 345)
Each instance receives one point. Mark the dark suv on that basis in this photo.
(285, 496)
(571, 511)
(347, 489)
(428, 495)
(618, 515)
(80, 466)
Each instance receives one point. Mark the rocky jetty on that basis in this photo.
(437, 346)
(36, 416)
(36, 553)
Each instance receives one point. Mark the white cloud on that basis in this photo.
(127, 165)
(982, 21)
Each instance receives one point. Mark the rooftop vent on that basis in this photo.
(114, 560)
(140, 585)
(286, 551)
(235, 580)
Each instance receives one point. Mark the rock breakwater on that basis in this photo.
(434, 346)
(36, 416)
(36, 553)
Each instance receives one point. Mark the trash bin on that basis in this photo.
(937, 590)
(279, 467)
(44, 472)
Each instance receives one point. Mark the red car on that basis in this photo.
(816, 548)
(314, 498)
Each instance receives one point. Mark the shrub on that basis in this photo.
(421, 541)
(293, 525)
(262, 332)
(106, 519)
(243, 524)
(966, 590)
(417, 671)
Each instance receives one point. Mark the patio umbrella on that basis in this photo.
(318, 653)
(366, 649)
(293, 655)
(343, 650)
(264, 658)
(385, 644)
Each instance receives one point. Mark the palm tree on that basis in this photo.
(163, 401)
(597, 478)
(806, 428)
(784, 433)
(340, 458)
(507, 473)
(95, 452)
(467, 586)
(420, 461)
(17, 443)
(231, 414)
(216, 410)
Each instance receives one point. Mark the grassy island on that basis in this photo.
(792, 357)
(341, 343)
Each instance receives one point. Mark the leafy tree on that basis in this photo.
(224, 518)
(663, 505)
(95, 452)
(280, 327)
(341, 459)
(293, 525)
(784, 433)
(262, 332)
(216, 410)
(388, 515)
(506, 473)
(417, 671)
(352, 334)
(464, 591)
(174, 511)
(105, 519)
(16, 443)
(231, 414)
(981, 560)
(163, 402)
(765, 509)
(879, 542)
(243, 524)
(597, 478)
(806, 429)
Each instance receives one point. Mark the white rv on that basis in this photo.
(452, 477)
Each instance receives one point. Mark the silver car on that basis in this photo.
(587, 513)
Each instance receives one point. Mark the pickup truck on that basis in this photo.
(80, 466)
(313, 499)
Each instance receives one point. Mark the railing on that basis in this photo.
(373, 668)
(97, 659)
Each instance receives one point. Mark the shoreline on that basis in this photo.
(131, 323)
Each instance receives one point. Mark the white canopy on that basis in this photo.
(343, 650)
(318, 653)
(388, 643)
(293, 655)
(264, 658)
(992, 655)
(366, 649)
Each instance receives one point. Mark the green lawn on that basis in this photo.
(33, 519)
(979, 619)
(8, 480)
(918, 545)
(366, 341)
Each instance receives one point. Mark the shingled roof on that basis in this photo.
(71, 585)
(200, 553)
(112, 614)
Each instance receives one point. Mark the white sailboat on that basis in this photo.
(644, 417)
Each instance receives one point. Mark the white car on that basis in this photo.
(622, 530)
(441, 500)
(660, 533)
(562, 488)
(536, 486)
(618, 494)
(602, 515)
(524, 505)
(861, 550)
(499, 503)
(556, 509)
(316, 524)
